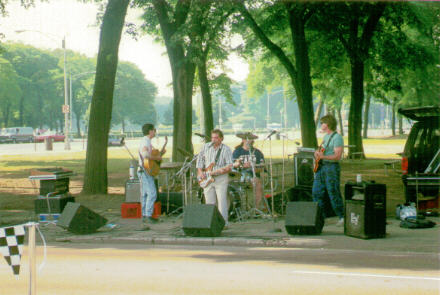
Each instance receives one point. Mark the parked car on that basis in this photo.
(116, 140)
(50, 134)
(421, 155)
(17, 134)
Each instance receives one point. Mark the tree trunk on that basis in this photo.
(183, 80)
(78, 123)
(400, 120)
(95, 177)
(21, 111)
(183, 71)
(393, 118)
(123, 125)
(303, 81)
(355, 114)
(208, 119)
(318, 111)
(341, 124)
(366, 116)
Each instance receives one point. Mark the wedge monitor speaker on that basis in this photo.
(80, 220)
(202, 221)
(304, 218)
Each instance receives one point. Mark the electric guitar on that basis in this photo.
(318, 159)
(153, 166)
(208, 178)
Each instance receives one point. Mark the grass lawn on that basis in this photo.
(17, 192)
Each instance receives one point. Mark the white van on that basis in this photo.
(17, 134)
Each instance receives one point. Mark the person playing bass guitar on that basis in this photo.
(213, 165)
(148, 157)
(327, 176)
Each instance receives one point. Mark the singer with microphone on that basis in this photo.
(213, 165)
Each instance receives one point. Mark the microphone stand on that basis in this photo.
(181, 173)
(271, 182)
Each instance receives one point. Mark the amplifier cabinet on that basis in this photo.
(59, 186)
(132, 191)
(304, 163)
(365, 210)
(56, 204)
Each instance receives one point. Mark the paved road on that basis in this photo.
(140, 269)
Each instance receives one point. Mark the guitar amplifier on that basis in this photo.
(304, 162)
(132, 191)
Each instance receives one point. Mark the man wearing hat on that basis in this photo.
(246, 157)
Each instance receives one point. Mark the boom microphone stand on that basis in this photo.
(271, 179)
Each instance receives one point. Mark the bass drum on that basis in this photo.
(234, 202)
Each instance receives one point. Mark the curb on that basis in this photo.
(220, 241)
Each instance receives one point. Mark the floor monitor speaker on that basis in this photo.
(202, 220)
(304, 218)
(79, 219)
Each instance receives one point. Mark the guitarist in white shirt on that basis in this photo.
(148, 187)
(214, 165)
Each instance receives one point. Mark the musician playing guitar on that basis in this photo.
(213, 165)
(148, 157)
(327, 176)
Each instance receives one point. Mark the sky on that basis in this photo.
(77, 22)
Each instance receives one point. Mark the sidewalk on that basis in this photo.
(256, 233)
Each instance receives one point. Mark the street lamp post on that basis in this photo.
(65, 108)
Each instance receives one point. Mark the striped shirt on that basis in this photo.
(209, 153)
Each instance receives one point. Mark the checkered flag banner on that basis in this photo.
(11, 245)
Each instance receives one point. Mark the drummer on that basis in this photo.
(242, 156)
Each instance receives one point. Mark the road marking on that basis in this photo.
(364, 275)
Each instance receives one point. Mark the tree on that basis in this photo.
(95, 177)
(173, 20)
(354, 24)
(9, 90)
(298, 66)
(134, 97)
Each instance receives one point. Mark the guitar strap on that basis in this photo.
(143, 166)
(217, 156)
(329, 140)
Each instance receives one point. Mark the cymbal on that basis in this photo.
(185, 153)
(247, 135)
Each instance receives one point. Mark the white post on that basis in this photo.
(285, 111)
(71, 104)
(32, 260)
(268, 106)
(66, 102)
(220, 120)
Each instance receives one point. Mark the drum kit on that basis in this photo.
(242, 204)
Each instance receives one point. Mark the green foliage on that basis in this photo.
(39, 76)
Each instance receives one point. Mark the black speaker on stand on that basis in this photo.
(365, 210)
(304, 162)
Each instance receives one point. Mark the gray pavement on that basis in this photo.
(256, 233)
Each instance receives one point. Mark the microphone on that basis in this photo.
(270, 134)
